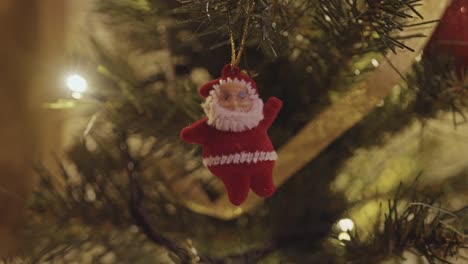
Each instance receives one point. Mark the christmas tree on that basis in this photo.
(371, 139)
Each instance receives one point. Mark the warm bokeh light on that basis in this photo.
(346, 224)
(76, 95)
(343, 236)
(76, 83)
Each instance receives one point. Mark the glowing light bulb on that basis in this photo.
(418, 58)
(346, 224)
(76, 95)
(344, 236)
(76, 83)
(375, 63)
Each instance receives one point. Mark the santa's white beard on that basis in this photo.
(234, 121)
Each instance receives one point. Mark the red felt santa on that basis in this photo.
(233, 135)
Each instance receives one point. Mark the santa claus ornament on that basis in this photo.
(233, 135)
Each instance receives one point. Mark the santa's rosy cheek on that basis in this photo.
(244, 106)
(236, 105)
(246, 103)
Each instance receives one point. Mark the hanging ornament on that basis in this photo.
(233, 135)
(451, 35)
(359, 100)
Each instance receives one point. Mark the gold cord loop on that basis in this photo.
(235, 58)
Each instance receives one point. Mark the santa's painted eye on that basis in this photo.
(226, 96)
(242, 94)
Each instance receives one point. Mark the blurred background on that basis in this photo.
(32, 52)
(372, 138)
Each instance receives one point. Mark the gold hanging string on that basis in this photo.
(231, 38)
(235, 58)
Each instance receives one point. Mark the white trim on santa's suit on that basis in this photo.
(239, 158)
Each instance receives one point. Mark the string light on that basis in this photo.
(418, 58)
(76, 95)
(346, 225)
(344, 236)
(375, 63)
(76, 83)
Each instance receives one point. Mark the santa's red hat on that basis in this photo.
(228, 74)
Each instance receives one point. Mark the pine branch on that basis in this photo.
(141, 219)
(137, 207)
(326, 46)
(416, 227)
(436, 85)
(250, 256)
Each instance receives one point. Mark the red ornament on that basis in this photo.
(451, 35)
(236, 146)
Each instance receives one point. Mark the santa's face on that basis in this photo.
(234, 97)
(233, 105)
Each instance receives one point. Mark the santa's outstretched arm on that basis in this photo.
(196, 133)
(270, 111)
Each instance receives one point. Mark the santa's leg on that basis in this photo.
(237, 186)
(262, 179)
